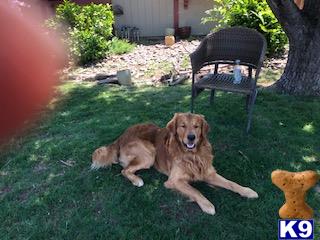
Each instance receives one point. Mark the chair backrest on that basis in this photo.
(230, 44)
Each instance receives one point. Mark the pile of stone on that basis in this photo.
(140, 61)
(151, 63)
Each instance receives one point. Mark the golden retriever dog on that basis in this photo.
(181, 151)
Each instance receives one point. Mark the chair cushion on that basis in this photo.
(223, 81)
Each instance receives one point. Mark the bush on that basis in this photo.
(119, 46)
(67, 13)
(87, 46)
(97, 18)
(252, 14)
(89, 29)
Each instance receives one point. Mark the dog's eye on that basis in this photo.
(195, 126)
(183, 126)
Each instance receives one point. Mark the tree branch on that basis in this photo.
(288, 15)
(273, 4)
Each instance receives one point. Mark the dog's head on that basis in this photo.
(189, 129)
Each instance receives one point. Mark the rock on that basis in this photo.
(101, 76)
(89, 78)
(71, 76)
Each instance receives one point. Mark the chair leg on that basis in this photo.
(247, 102)
(252, 100)
(192, 98)
(211, 100)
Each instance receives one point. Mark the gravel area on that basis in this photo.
(149, 61)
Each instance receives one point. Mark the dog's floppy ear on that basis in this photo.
(205, 127)
(171, 125)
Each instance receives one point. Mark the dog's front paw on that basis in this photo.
(249, 193)
(208, 208)
(138, 182)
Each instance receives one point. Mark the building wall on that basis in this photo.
(152, 17)
(193, 14)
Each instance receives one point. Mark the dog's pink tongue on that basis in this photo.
(190, 145)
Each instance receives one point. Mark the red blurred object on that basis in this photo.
(29, 60)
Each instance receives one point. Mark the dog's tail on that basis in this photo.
(105, 156)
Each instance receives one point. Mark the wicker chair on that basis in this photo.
(224, 47)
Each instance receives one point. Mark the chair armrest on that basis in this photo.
(199, 56)
(260, 64)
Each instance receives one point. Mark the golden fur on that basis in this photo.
(181, 151)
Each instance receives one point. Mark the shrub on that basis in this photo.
(89, 29)
(87, 46)
(119, 46)
(97, 18)
(67, 13)
(252, 14)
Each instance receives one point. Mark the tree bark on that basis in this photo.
(302, 72)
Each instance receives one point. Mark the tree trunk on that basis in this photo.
(302, 72)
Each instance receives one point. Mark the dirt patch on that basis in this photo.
(24, 195)
(5, 190)
(41, 167)
(185, 210)
(278, 62)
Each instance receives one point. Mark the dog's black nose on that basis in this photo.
(191, 137)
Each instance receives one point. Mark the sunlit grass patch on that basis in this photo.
(310, 159)
(309, 128)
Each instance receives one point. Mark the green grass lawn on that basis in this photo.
(42, 198)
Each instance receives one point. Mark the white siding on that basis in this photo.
(193, 14)
(152, 17)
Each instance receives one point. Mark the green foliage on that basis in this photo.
(119, 46)
(254, 14)
(67, 12)
(88, 46)
(96, 18)
(89, 29)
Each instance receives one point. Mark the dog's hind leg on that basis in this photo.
(135, 156)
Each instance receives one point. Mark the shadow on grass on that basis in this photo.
(40, 194)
